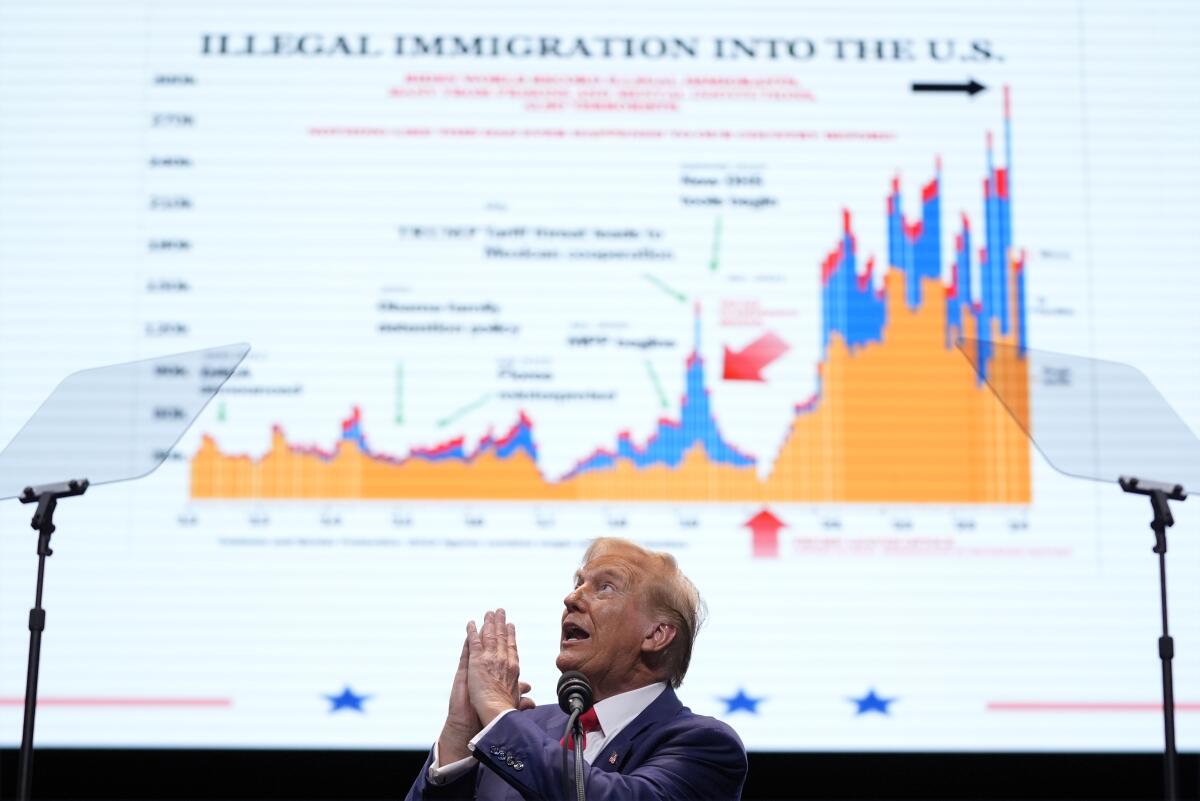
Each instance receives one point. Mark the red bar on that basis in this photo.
(124, 702)
(864, 280)
(930, 190)
(1085, 706)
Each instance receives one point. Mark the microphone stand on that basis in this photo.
(568, 733)
(574, 696)
(580, 795)
(574, 734)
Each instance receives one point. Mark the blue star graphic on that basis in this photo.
(872, 703)
(742, 701)
(348, 699)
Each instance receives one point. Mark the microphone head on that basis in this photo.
(574, 684)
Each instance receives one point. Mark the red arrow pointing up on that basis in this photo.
(765, 529)
(747, 364)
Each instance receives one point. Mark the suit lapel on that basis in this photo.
(555, 722)
(616, 753)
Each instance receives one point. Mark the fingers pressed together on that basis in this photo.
(493, 666)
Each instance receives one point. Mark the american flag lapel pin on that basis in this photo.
(612, 760)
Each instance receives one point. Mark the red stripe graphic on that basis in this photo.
(1085, 706)
(123, 702)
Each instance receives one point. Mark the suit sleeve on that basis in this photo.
(706, 762)
(461, 789)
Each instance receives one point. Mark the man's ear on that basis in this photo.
(658, 638)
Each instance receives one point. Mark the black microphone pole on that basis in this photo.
(575, 698)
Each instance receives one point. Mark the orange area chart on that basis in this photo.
(899, 416)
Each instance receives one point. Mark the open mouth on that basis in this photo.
(573, 633)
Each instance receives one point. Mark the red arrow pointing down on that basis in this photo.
(765, 530)
(747, 364)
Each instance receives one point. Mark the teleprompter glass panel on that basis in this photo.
(1090, 418)
(116, 422)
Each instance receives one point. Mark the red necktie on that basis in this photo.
(590, 722)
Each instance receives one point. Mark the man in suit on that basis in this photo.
(628, 625)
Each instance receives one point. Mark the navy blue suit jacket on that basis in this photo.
(667, 752)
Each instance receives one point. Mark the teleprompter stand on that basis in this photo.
(46, 498)
(1160, 497)
(110, 424)
(1103, 421)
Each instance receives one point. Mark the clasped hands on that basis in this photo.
(486, 684)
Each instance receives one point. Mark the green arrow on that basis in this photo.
(470, 407)
(658, 282)
(715, 261)
(662, 396)
(400, 393)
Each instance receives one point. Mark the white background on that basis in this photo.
(295, 243)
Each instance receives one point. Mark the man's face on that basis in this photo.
(604, 623)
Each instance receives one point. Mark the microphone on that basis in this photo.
(574, 692)
(575, 698)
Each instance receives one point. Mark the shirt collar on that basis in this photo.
(616, 712)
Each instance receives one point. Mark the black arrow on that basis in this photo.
(973, 87)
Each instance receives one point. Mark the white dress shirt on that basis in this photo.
(614, 714)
